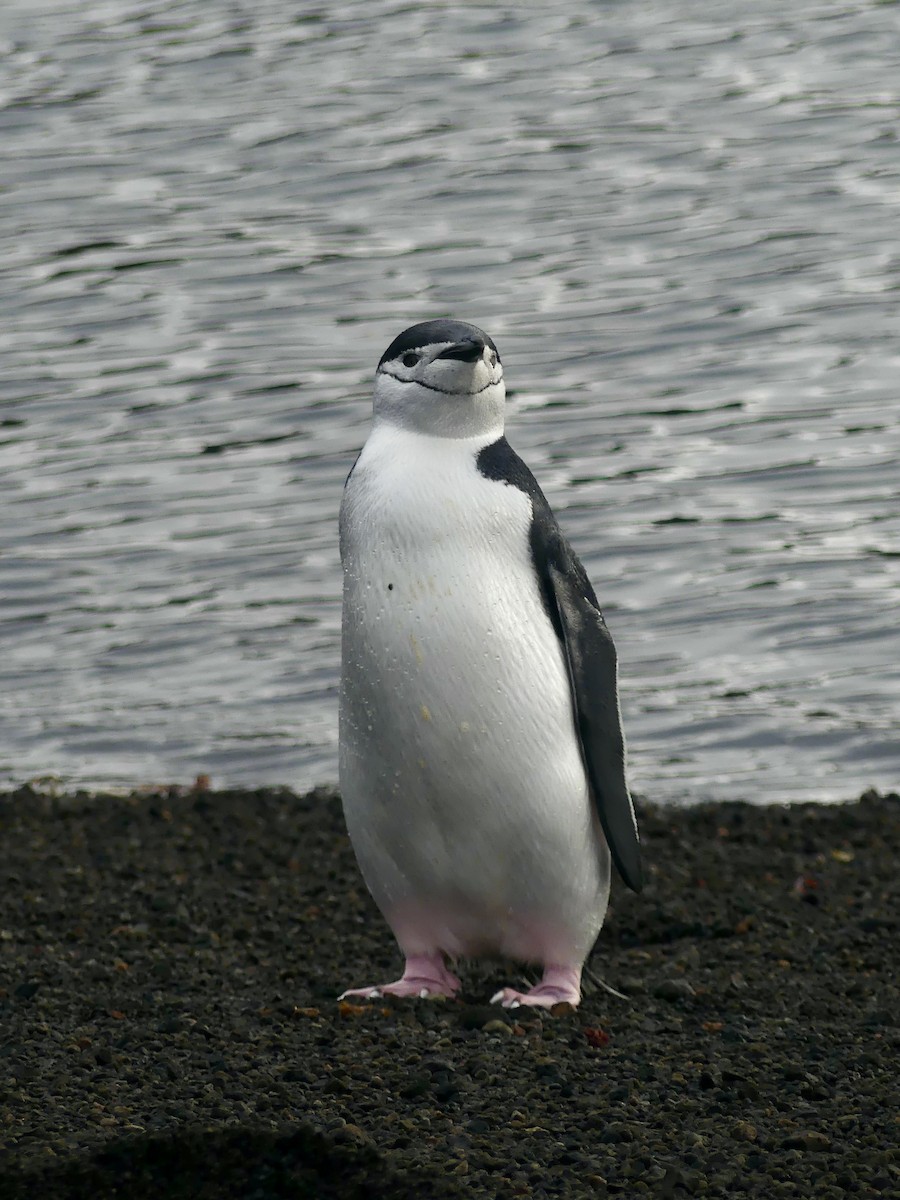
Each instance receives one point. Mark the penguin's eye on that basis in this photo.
(410, 358)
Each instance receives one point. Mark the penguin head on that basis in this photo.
(442, 378)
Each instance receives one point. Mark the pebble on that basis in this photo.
(743, 1131)
(674, 989)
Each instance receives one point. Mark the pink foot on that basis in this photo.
(424, 975)
(560, 985)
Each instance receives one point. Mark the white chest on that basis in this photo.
(448, 654)
(438, 578)
(420, 501)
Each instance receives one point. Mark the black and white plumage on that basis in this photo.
(482, 762)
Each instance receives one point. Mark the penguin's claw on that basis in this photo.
(560, 985)
(363, 993)
(425, 977)
(419, 989)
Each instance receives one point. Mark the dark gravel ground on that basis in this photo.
(169, 1028)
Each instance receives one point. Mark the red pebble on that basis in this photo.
(596, 1037)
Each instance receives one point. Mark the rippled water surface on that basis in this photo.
(679, 222)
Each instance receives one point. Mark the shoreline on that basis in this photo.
(170, 961)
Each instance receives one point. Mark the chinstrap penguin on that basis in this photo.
(482, 762)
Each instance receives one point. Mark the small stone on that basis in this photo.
(633, 985)
(744, 1131)
(807, 1139)
(495, 1026)
(477, 1016)
(562, 1009)
(438, 1065)
(417, 1086)
(674, 989)
(617, 1132)
(353, 1134)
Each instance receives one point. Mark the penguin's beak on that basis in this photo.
(468, 351)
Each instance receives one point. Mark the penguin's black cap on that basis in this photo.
(430, 333)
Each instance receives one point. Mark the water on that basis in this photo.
(680, 225)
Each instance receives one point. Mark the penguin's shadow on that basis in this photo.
(239, 1163)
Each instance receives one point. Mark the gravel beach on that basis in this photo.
(170, 961)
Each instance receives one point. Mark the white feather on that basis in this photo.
(464, 789)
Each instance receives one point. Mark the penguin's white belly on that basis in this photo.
(464, 789)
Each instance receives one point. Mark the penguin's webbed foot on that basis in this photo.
(425, 976)
(560, 985)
